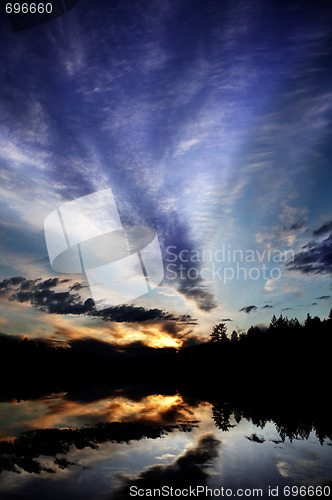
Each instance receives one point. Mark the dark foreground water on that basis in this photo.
(133, 442)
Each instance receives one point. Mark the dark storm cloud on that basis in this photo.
(190, 469)
(40, 295)
(315, 259)
(226, 319)
(323, 297)
(267, 306)
(324, 229)
(248, 309)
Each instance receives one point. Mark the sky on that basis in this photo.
(210, 121)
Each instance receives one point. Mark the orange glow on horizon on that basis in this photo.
(165, 341)
(61, 331)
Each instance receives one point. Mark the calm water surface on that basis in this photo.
(94, 445)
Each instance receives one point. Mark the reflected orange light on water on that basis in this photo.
(58, 412)
(152, 408)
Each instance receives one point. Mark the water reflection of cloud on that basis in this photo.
(158, 454)
(33, 451)
(188, 469)
(283, 468)
(165, 456)
(308, 468)
(59, 412)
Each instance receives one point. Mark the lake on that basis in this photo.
(125, 442)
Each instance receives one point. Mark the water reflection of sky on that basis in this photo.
(246, 456)
(57, 411)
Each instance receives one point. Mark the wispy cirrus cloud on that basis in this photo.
(194, 129)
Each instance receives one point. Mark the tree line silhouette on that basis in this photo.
(292, 419)
(285, 340)
(289, 356)
(313, 328)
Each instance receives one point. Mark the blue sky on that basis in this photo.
(210, 121)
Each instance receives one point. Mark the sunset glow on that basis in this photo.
(57, 412)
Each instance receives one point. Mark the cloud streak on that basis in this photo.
(42, 296)
(325, 228)
(317, 259)
(248, 309)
